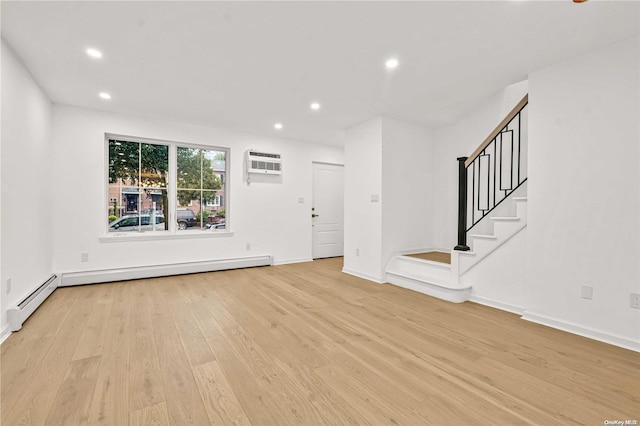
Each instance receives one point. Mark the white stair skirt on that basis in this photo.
(442, 280)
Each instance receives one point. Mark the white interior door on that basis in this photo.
(328, 210)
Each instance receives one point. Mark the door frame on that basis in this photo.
(327, 163)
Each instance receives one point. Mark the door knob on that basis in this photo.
(314, 215)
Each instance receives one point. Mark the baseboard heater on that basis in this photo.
(17, 315)
(134, 273)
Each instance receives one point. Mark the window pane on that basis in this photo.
(138, 176)
(154, 165)
(153, 201)
(189, 168)
(213, 164)
(186, 216)
(208, 209)
(123, 160)
(138, 187)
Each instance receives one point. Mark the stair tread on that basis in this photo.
(439, 265)
(483, 236)
(432, 256)
(520, 198)
(419, 277)
(506, 218)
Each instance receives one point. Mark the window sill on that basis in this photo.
(149, 236)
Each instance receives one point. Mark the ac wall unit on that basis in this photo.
(263, 163)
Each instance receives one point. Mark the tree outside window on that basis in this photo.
(199, 183)
(140, 185)
(138, 180)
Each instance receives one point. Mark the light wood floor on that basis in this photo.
(300, 344)
(435, 256)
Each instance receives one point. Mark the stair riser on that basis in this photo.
(455, 295)
(504, 229)
(414, 268)
(482, 246)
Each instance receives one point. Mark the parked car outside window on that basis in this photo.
(137, 223)
(186, 219)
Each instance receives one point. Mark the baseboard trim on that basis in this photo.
(133, 273)
(497, 305)
(4, 334)
(288, 261)
(377, 280)
(590, 333)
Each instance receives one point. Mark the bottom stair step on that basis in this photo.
(430, 286)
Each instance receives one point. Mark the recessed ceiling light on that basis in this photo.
(94, 53)
(315, 106)
(105, 95)
(277, 126)
(392, 63)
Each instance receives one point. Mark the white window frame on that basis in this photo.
(172, 184)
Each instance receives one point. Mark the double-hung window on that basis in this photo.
(165, 187)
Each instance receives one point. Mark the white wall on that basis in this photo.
(499, 280)
(392, 160)
(26, 236)
(266, 215)
(407, 187)
(584, 193)
(362, 217)
(460, 140)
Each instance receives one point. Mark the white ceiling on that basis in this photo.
(247, 65)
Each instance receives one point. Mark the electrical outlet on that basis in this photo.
(248, 246)
(586, 292)
(357, 252)
(635, 300)
(8, 285)
(84, 257)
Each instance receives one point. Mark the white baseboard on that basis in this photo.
(611, 339)
(132, 273)
(4, 334)
(287, 261)
(377, 280)
(495, 304)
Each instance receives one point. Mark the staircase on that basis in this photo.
(443, 280)
(489, 214)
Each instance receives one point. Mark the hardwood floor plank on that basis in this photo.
(183, 401)
(256, 401)
(292, 406)
(434, 256)
(71, 405)
(145, 376)
(92, 339)
(300, 344)
(34, 398)
(219, 399)
(193, 342)
(110, 403)
(152, 415)
(22, 351)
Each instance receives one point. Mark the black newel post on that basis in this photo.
(462, 205)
